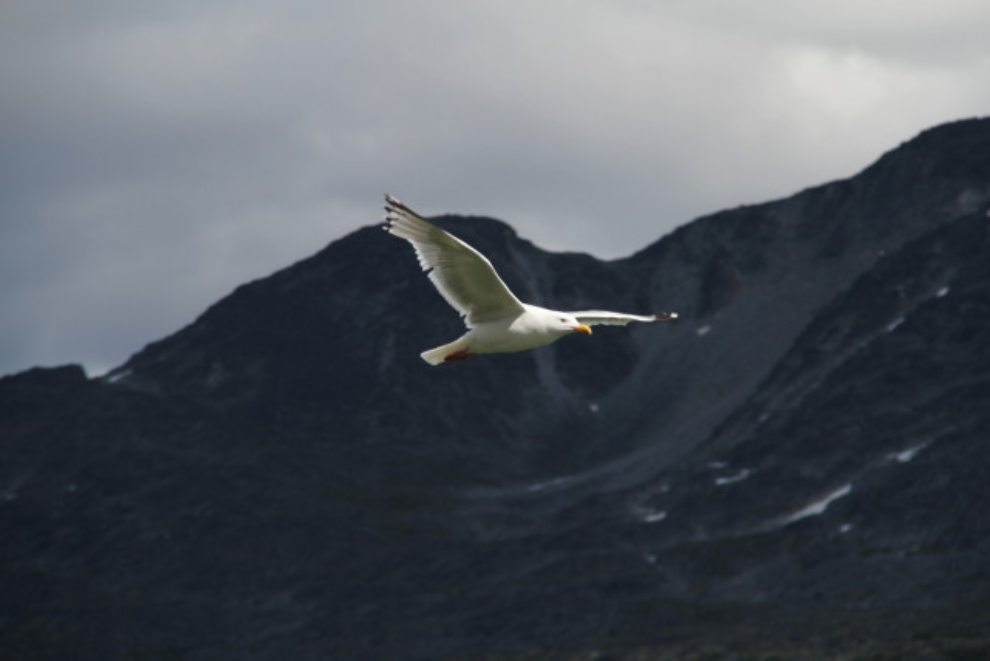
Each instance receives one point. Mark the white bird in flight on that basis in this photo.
(497, 321)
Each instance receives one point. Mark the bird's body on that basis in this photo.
(531, 328)
(497, 321)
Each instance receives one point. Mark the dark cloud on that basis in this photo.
(155, 155)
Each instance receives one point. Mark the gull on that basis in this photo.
(497, 321)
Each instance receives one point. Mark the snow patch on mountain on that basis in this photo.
(819, 506)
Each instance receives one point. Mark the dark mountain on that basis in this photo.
(798, 468)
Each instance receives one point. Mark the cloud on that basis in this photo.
(155, 155)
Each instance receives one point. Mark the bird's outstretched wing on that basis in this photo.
(464, 276)
(593, 317)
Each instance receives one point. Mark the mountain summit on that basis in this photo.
(798, 465)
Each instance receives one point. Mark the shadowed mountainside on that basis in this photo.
(797, 466)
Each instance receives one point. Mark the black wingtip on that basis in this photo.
(393, 205)
(665, 316)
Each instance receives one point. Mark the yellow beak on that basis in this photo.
(581, 328)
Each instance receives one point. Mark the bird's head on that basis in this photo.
(569, 324)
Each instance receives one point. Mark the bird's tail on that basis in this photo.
(456, 350)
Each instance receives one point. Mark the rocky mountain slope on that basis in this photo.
(797, 467)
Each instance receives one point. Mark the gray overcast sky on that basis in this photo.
(154, 155)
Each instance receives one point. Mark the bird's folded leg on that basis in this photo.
(463, 354)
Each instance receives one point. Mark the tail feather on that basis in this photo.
(439, 355)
